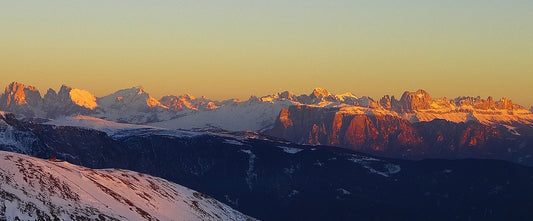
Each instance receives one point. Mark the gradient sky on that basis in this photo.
(225, 49)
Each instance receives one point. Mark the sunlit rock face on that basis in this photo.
(355, 128)
(21, 99)
(412, 101)
(385, 133)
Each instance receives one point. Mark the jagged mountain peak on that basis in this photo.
(385, 102)
(64, 88)
(285, 95)
(13, 86)
(187, 96)
(21, 99)
(411, 101)
(19, 94)
(318, 91)
(420, 94)
(188, 102)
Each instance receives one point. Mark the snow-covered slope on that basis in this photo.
(35, 189)
(94, 123)
(133, 105)
(251, 115)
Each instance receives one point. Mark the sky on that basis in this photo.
(237, 48)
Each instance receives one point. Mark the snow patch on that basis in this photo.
(344, 191)
(376, 166)
(234, 142)
(94, 123)
(290, 150)
(250, 174)
(293, 193)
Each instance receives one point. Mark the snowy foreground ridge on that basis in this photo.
(35, 189)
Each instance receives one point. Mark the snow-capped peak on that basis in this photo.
(135, 96)
(347, 95)
(132, 105)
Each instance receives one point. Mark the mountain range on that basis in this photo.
(135, 105)
(260, 175)
(416, 126)
(274, 157)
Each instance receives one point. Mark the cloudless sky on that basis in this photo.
(238, 48)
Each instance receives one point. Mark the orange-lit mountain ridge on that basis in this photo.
(135, 105)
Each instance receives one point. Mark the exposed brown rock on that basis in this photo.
(329, 126)
(412, 101)
(284, 118)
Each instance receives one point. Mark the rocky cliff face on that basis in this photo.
(412, 101)
(385, 134)
(21, 99)
(341, 127)
(420, 100)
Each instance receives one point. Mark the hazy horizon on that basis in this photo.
(234, 49)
